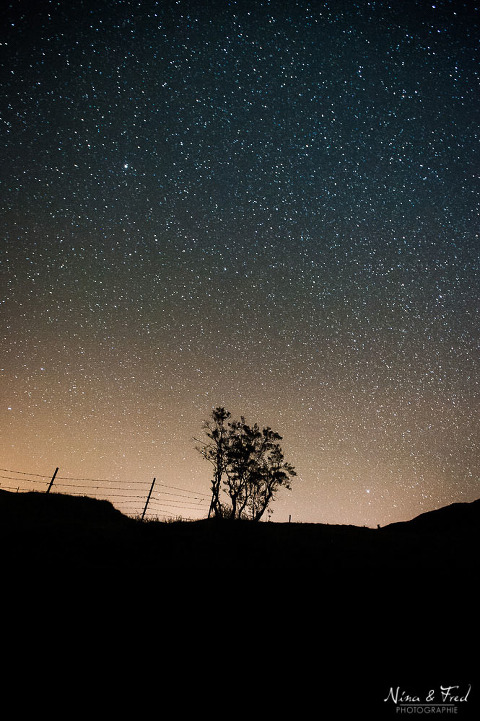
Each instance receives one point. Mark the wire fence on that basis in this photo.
(157, 501)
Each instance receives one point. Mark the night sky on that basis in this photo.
(271, 206)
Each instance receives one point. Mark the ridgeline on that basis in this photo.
(69, 531)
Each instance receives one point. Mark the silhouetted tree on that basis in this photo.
(215, 452)
(248, 465)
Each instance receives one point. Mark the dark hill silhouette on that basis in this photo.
(457, 516)
(40, 508)
(443, 538)
(58, 529)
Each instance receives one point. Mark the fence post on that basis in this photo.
(148, 498)
(51, 482)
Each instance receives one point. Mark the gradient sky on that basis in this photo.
(271, 206)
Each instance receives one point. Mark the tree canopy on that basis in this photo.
(248, 466)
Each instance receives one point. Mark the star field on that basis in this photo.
(269, 206)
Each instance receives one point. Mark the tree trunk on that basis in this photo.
(234, 507)
(215, 502)
(264, 506)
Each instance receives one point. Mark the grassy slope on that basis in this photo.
(66, 530)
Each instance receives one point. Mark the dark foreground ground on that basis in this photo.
(65, 530)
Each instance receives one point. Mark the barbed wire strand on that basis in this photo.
(186, 500)
(100, 480)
